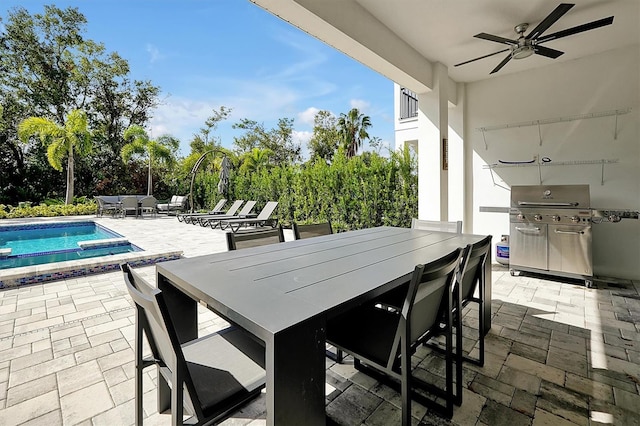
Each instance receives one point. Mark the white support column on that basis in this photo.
(433, 125)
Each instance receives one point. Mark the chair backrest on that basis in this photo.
(153, 314)
(311, 230)
(129, 202)
(234, 207)
(431, 285)
(267, 210)
(254, 239)
(247, 208)
(435, 225)
(149, 201)
(218, 207)
(471, 268)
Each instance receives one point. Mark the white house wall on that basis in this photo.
(605, 82)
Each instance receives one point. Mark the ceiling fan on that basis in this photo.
(528, 45)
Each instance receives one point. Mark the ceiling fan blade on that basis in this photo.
(481, 57)
(501, 64)
(497, 39)
(579, 29)
(549, 53)
(549, 20)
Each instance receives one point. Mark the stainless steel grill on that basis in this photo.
(550, 231)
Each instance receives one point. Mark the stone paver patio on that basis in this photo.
(557, 354)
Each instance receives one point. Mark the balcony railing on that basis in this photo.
(408, 104)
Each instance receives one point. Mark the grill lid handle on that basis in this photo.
(546, 204)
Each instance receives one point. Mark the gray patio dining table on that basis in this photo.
(284, 293)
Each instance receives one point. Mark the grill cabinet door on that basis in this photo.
(528, 246)
(570, 249)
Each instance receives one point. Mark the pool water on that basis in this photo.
(45, 243)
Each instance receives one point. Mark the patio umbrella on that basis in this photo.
(223, 183)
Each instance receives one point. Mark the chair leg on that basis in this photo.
(139, 413)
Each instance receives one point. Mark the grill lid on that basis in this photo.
(550, 196)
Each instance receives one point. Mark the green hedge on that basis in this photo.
(47, 209)
(360, 192)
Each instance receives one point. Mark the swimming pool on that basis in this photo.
(36, 244)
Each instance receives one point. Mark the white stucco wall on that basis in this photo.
(604, 82)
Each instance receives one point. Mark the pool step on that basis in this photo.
(5, 252)
(107, 242)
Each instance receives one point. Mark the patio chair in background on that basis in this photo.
(177, 204)
(148, 205)
(128, 203)
(214, 220)
(254, 239)
(188, 217)
(263, 218)
(107, 204)
(219, 372)
(311, 230)
(382, 341)
(434, 225)
(203, 220)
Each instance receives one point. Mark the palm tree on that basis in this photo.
(139, 144)
(62, 141)
(256, 159)
(353, 130)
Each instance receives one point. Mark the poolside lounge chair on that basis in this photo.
(436, 225)
(214, 221)
(263, 218)
(209, 377)
(254, 239)
(188, 217)
(203, 220)
(383, 341)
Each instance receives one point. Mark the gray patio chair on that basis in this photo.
(177, 204)
(128, 203)
(148, 205)
(254, 239)
(106, 205)
(263, 218)
(214, 220)
(382, 341)
(209, 377)
(189, 217)
(311, 230)
(231, 211)
(435, 225)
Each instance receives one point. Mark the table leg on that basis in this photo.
(295, 364)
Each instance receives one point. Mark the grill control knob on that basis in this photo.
(537, 217)
(520, 216)
(575, 219)
(555, 218)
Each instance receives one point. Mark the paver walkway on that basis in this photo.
(557, 354)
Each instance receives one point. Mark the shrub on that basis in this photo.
(47, 209)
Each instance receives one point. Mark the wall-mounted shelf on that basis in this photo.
(540, 122)
(540, 165)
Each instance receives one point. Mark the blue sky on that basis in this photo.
(207, 53)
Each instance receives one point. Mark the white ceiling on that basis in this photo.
(442, 30)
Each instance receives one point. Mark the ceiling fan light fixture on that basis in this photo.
(521, 52)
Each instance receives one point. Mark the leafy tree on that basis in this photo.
(49, 69)
(139, 144)
(353, 130)
(278, 140)
(62, 141)
(324, 142)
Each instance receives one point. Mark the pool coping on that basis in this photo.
(34, 274)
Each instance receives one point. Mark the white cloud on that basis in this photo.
(302, 137)
(308, 116)
(154, 53)
(361, 104)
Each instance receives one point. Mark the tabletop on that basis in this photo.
(268, 289)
